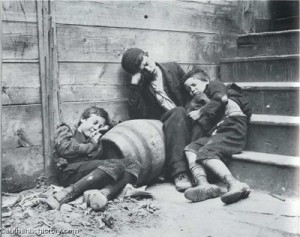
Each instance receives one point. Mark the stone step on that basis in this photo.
(277, 98)
(260, 68)
(284, 9)
(277, 174)
(274, 134)
(268, 43)
(287, 23)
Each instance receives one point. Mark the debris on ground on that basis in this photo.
(28, 211)
(277, 197)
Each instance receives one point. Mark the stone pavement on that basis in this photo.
(260, 215)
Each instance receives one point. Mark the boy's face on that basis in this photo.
(148, 66)
(91, 124)
(195, 86)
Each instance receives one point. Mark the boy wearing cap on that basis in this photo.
(223, 119)
(157, 92)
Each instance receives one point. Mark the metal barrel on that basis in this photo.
(141, 140)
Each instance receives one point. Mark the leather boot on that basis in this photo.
(203, 190)
(113, 189)
(96, 179)
(64, 196)
(236, 190)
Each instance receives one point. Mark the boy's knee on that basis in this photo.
(119, 168)
(114, 167)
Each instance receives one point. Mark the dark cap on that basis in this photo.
(130, 60)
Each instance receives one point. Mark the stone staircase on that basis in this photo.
(267, 68)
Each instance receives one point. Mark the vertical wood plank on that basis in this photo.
(54, 96)
(42, 14)
(1, 110)
(57, 113)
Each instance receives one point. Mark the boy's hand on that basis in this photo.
(95, 136)
(136, 78)
(98, 133)
(195, 114)
(104, 129)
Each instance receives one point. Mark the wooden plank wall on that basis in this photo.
(22, 145)
(89, 39)
(1, 110)
(93, 35)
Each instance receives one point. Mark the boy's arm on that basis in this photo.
(216, 91)
(68, 147)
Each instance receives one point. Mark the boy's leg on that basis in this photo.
(228, 138)
(177, 128)
(236, 189)
(110, 190)
(97, 199)
(203, 190)
(106, 172)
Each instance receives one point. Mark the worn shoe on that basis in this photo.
(236, 190)
(95, 199)
(202, 192)
(57, 199)
(130, 191)
(52, 202)
(182, 182)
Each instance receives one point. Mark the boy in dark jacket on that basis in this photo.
(223, 120)
(80, 163)
(157, 92)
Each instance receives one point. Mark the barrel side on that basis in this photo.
(140, 140)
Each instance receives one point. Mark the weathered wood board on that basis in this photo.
(21, 125)
(100, 44)
(90, 73)
(71, 93)
(156, 15)
(19, 41)
(20, 84)
(117, 110)
(24, 11)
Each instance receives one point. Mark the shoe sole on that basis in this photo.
(246, 193)
(199, 195)
(229, 198)
(52, 203)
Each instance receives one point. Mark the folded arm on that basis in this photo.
(68, 147)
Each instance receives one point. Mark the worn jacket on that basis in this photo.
(142, 99)
(72, 146)
(213, 111)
